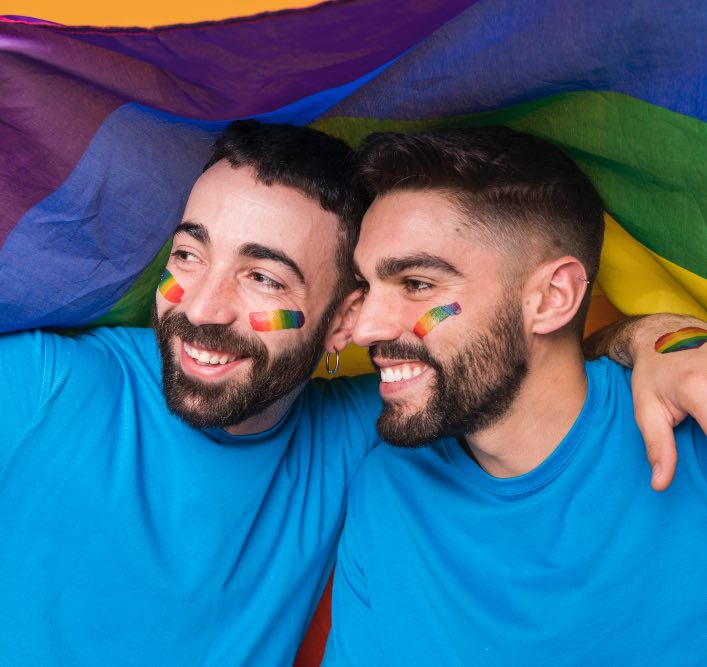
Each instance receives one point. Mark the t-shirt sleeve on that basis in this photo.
(26, 368)
(353, 639)
(352, 408)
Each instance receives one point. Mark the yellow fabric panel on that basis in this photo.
(638, 281)
(144, 14)
(353, 361)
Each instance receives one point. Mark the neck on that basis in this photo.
(547, 405)
(267, 418)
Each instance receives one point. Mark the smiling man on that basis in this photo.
(200, 529)
(512, 525)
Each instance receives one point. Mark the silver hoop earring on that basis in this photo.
(336, 365)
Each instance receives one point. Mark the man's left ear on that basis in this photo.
(342, 323)
(553, 294)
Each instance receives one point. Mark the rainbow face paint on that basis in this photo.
(276, 320)
(169, 288)
(688, 338)
(433, 317)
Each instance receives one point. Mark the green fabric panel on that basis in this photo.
(648, 163)
(134, 309)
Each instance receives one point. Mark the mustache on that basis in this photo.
(211, 336)
(401, 350)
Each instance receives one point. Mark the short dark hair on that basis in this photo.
(319, 166)
(512, 188)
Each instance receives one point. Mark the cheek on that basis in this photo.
(169, 288)
(434, 317)
(276, 320)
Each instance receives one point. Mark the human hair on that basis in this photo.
(319, 166)
(516, 192)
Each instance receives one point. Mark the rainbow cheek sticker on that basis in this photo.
(169, 288)
(688, 338)
(276, 320)
(433, 317)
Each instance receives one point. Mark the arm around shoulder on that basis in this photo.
(669, 357)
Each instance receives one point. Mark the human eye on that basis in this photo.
(416, 286)
(183, 257)
(266, 281)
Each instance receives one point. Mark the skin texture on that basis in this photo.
(228, 215)
(413, 254)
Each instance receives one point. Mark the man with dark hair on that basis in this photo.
(512, 525)
(200, 529)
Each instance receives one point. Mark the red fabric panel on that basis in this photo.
(311, 651)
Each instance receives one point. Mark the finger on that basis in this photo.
(656, 426)
(692, 396)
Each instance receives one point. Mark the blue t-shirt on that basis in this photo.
(129, 538)
(577, 562)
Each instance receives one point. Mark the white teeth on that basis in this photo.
(205, 357)
(398, 373)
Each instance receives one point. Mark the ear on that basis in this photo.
(342, 323)
(553, 294)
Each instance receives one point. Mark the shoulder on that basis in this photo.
(390, 471)
(357, 394)
(92, 353)
(609, 381)
(606, 371)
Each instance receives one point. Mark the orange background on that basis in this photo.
(142, 12)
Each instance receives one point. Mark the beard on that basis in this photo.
(228, 403)
(470, 392)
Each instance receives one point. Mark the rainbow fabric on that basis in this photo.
(91, 192)
(169, 288)
(433, 317)
(687, 338)
(276, 320)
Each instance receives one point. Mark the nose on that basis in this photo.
(377, 321)
(214, 299)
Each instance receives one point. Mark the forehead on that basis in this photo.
(235, 208)
(413, 222)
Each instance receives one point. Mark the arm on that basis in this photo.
(353, 638)
(666, 386)
(26, 367)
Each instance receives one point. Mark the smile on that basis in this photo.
(208, 357)
(402, 372)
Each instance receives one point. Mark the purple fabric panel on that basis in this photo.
(58, 84)
(280, 57)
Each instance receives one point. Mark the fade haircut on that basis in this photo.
(317, 165)
(516, 192)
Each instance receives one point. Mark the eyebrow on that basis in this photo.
(392, 266)
(257, 251)
(195, 230)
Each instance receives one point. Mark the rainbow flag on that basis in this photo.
(104, 130)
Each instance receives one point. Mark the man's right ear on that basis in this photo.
(343, 321)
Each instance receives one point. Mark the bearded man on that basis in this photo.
(512, 524)
(176, 499)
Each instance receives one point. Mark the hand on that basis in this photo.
(666, 388)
